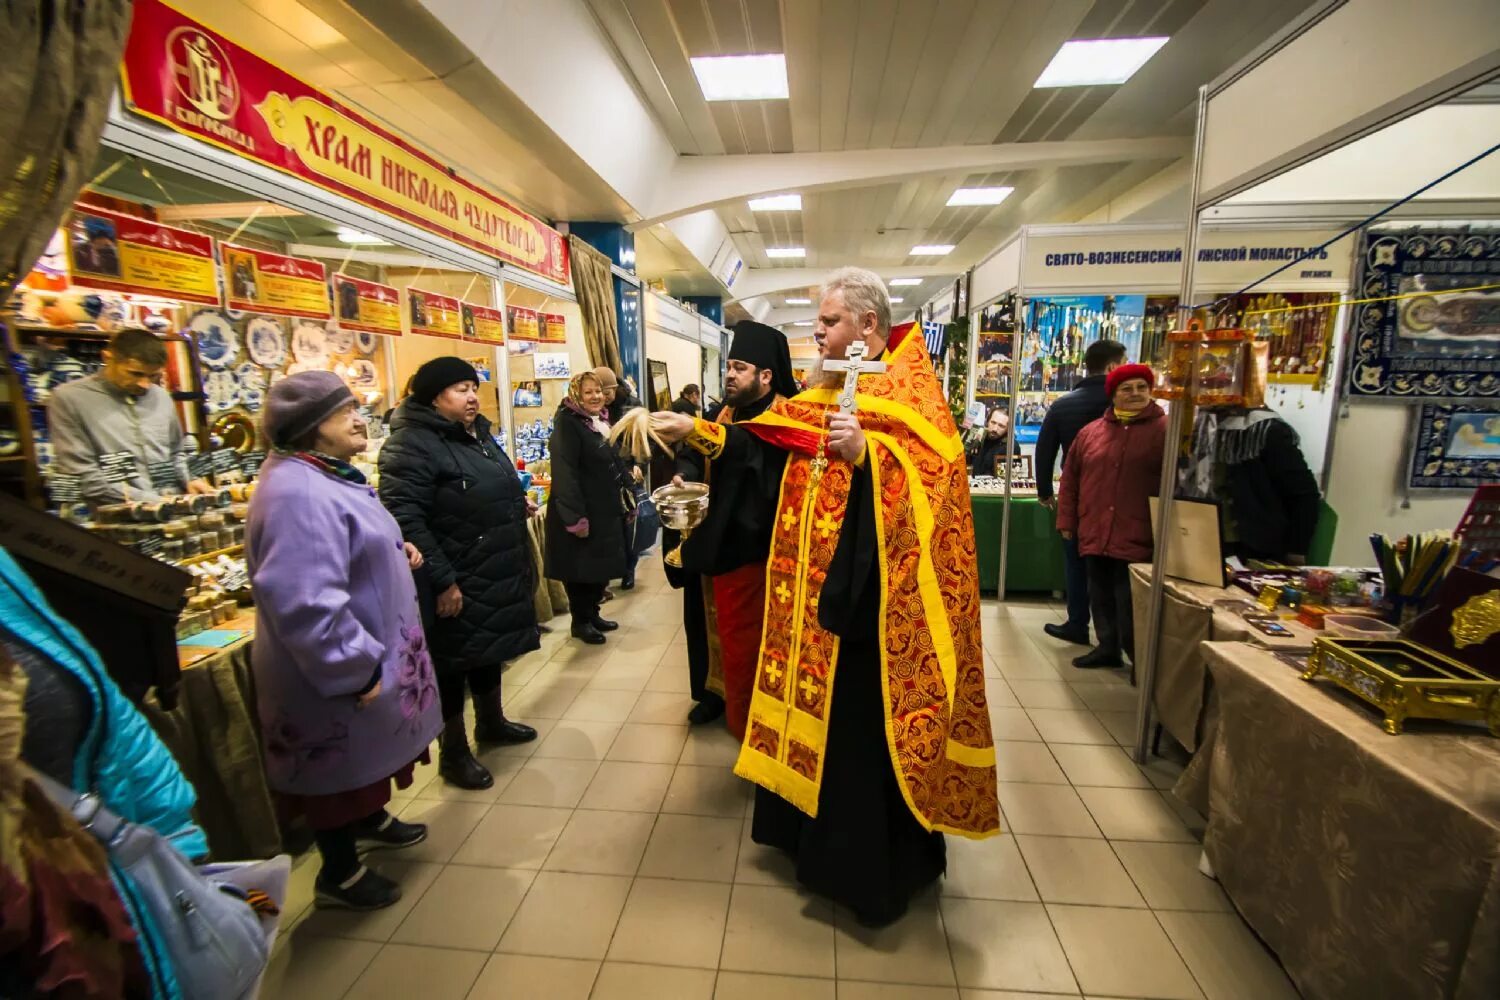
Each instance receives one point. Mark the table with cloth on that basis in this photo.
(1034, 561)
(1369, 863)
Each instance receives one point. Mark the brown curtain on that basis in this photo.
(59, 66)
(595, 287)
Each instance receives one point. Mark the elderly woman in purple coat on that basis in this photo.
(344, 685)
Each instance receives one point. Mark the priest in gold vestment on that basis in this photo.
(868, 734)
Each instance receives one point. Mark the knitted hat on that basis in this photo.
(1125, 373)
(438, 374)
(299, 403)
(607, 378)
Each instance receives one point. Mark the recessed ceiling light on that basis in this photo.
(805, 322)
(799, 302)
(905, 282)
(356, 238)
(896, 300)
(777, 203)
(1088, 62)
(979, 196)
(742, 78)
(931, 249)
(785, 253)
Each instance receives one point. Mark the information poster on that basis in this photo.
(434, 315)
(483, 324)
(525, 324)
(1058, 329)
(121, 253)
(367, 306)
(264, 282)
(994, 349)
(552, 328)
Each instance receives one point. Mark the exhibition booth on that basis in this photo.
(682, 348)
(1341, 715)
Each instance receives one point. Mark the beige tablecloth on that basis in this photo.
(1369, 863)
(551, 597)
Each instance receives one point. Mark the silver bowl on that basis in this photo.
(681, 508)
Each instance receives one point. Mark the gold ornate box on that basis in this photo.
(1407, 681)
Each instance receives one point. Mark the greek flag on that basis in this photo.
(935, 334)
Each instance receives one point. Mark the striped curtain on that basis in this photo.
(595, 287)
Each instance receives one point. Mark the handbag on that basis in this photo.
(647, 523)
(215, 944)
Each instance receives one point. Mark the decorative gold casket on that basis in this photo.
(1407, 681)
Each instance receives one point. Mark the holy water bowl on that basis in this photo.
(681, 508)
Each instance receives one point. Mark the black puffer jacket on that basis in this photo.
(458, 499)
(587, 479)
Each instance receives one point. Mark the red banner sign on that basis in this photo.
(525, 324)
(367, 306)
(433, 315)
(265, 282)
(483, 324)
(121, 253)
(195, 81)
(552, 328)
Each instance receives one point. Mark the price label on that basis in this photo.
(117, 466)
(201, 465)
(64, 489)
(163, 477)
(251, 461)
(225, 460)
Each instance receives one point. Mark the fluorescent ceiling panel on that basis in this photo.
(742, 78)
(356, 238)
(905, 282)
(979, 196)
(785, 253)
(896, 300)
(799, 302)
(1098, 61)
(931, 249)
(777, 203)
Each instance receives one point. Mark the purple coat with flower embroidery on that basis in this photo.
(335, 603)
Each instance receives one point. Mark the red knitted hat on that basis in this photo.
(1125, 373)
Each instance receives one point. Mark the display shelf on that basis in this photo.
(232, 551)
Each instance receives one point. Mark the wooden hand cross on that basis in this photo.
(853, 366)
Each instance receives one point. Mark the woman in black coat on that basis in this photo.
(458, 499)
(585, 510)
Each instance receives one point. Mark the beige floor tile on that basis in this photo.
(671, 676)
(522, 671)
(987, 869)
(1195, 822)
(1045, 694)
(1162, 773)
(1106, 766)
(1120, 726)
(708, 791)
(414, 878)
(1226, 958)
(675, 658)
(1105, 697)
(594, 705)
(779, 931)
(1117, 952)
(1048, 810)
(710, 745)
(506, 977)
(1078, 870)
(306, 966)
(647, 744)
(1024, 760)
(998, 694)
(1134, 814)
(1014, 995)
(567, 916)
(627, 981)
(465, 908)
(547, 698)
(579, 740)
(1168, 876)
(299, 887)
(670, 922)
(550, 781)
(761, 865)
(1064, 725)
(1013, 724)
(1026, 663)
(693, 847)
(912, 950)
(601, 843)
(1005, 946)
(513, 837)
(401, 971)
(750, 986)
(850, 989)
(624, 786)
(662, 708)
(448, 826)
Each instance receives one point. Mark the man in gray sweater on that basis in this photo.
(96, 422)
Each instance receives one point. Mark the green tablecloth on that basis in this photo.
(1035, 561)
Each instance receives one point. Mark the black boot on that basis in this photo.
(1078, 637)
(1099, 657)
(589, 634)
(707, 710)
(456, 761)
(492, 727)
(604, 624)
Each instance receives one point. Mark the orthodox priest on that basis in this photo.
(728, 552)
(868, 729)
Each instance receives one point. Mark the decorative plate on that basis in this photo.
(365, 342)
(265, 341)
(252, 399)
(340, 341)
(218, 344)
(222, 389)
(298, 367)
(362, 374)
(310, 344)
(251, 376)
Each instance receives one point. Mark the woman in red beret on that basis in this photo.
(1112, 471)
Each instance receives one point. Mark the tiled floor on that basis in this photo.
(612, 858)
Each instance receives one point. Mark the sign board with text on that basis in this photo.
(434, 315)
(367, 306)
(483, 324)
(264, 282)
(122, 253)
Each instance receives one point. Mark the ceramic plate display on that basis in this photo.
(340, 341)
(218, 345)
(362, 374)
(365, 342)
(310, 344)
(222, 389)
(265, 342)
(252, 379)
(298, 367)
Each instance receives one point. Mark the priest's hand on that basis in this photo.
(672, 427)
(845, 437)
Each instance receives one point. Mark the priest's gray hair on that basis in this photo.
(864, 291)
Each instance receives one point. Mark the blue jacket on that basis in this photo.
(122, 760)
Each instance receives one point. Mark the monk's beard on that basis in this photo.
(818, 378)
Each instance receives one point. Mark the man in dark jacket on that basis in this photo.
(1271, 497)
(1067, 416)
(458, 499)
(689, 401)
